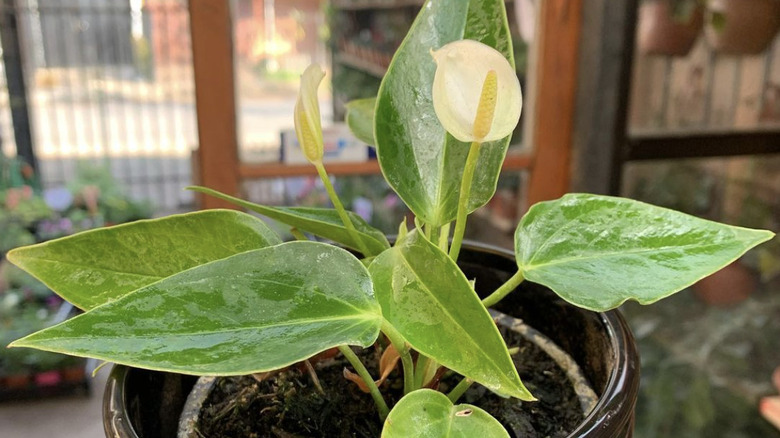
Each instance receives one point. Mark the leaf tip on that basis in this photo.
(767, 235)
(525, 395)
(16, 256)
(19, 343)
(12, 255)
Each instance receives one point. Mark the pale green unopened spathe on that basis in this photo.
(308, 127)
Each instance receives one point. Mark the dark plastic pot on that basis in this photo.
(143, 404)
(146, 404)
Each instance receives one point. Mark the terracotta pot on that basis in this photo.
(147, 404)
(740, 27)
(727, 287)
(16, 381)
(661, 33)
(73, 374)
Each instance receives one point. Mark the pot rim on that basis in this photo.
(116, 417)
(615, 405)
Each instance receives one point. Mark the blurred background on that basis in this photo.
(109, 108)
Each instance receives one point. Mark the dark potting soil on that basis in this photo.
(289, 405)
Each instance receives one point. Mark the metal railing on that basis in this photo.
(109, 82)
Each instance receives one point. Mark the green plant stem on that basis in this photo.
(381, 405)
(435, 234)
(403, 350)
(297, 234)
(463, 200)
(444, 238)
(402, 232)
(419, 370)
(504, 289)
(334, 198)
(459, 389)
(99, 367)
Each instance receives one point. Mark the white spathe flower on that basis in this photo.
(461, 71)
(308, 127)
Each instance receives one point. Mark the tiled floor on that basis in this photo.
(63, 417)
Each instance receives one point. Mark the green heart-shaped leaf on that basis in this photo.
(430, 302)
(430, 414)
(252, 312)
(360, 119)
(423, 163)
(323, 222)
(94, 267)
(599, 251)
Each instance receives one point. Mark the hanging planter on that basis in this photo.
(743, 27)
(727, 287)
(669, 27)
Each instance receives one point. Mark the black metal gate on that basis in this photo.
(104, 82)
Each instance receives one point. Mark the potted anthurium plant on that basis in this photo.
(217, 293)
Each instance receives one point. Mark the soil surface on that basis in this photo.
(289, 405)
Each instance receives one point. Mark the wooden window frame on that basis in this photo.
(216, 161)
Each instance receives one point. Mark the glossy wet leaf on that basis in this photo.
(360, 119)
(252, 312)
(426, 413)
(599, 251)
(423, 163)
(323, 222)
(430, 302)
(94, 267)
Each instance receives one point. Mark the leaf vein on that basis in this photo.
(304, 321)
(662, 249)
(489, 357)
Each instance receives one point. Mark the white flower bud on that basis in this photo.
(464, 102)
(308, 127)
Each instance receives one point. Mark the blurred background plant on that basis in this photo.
(721, 339)
(20, 204)
(742, 192)
(28, 215)
(97, 193)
